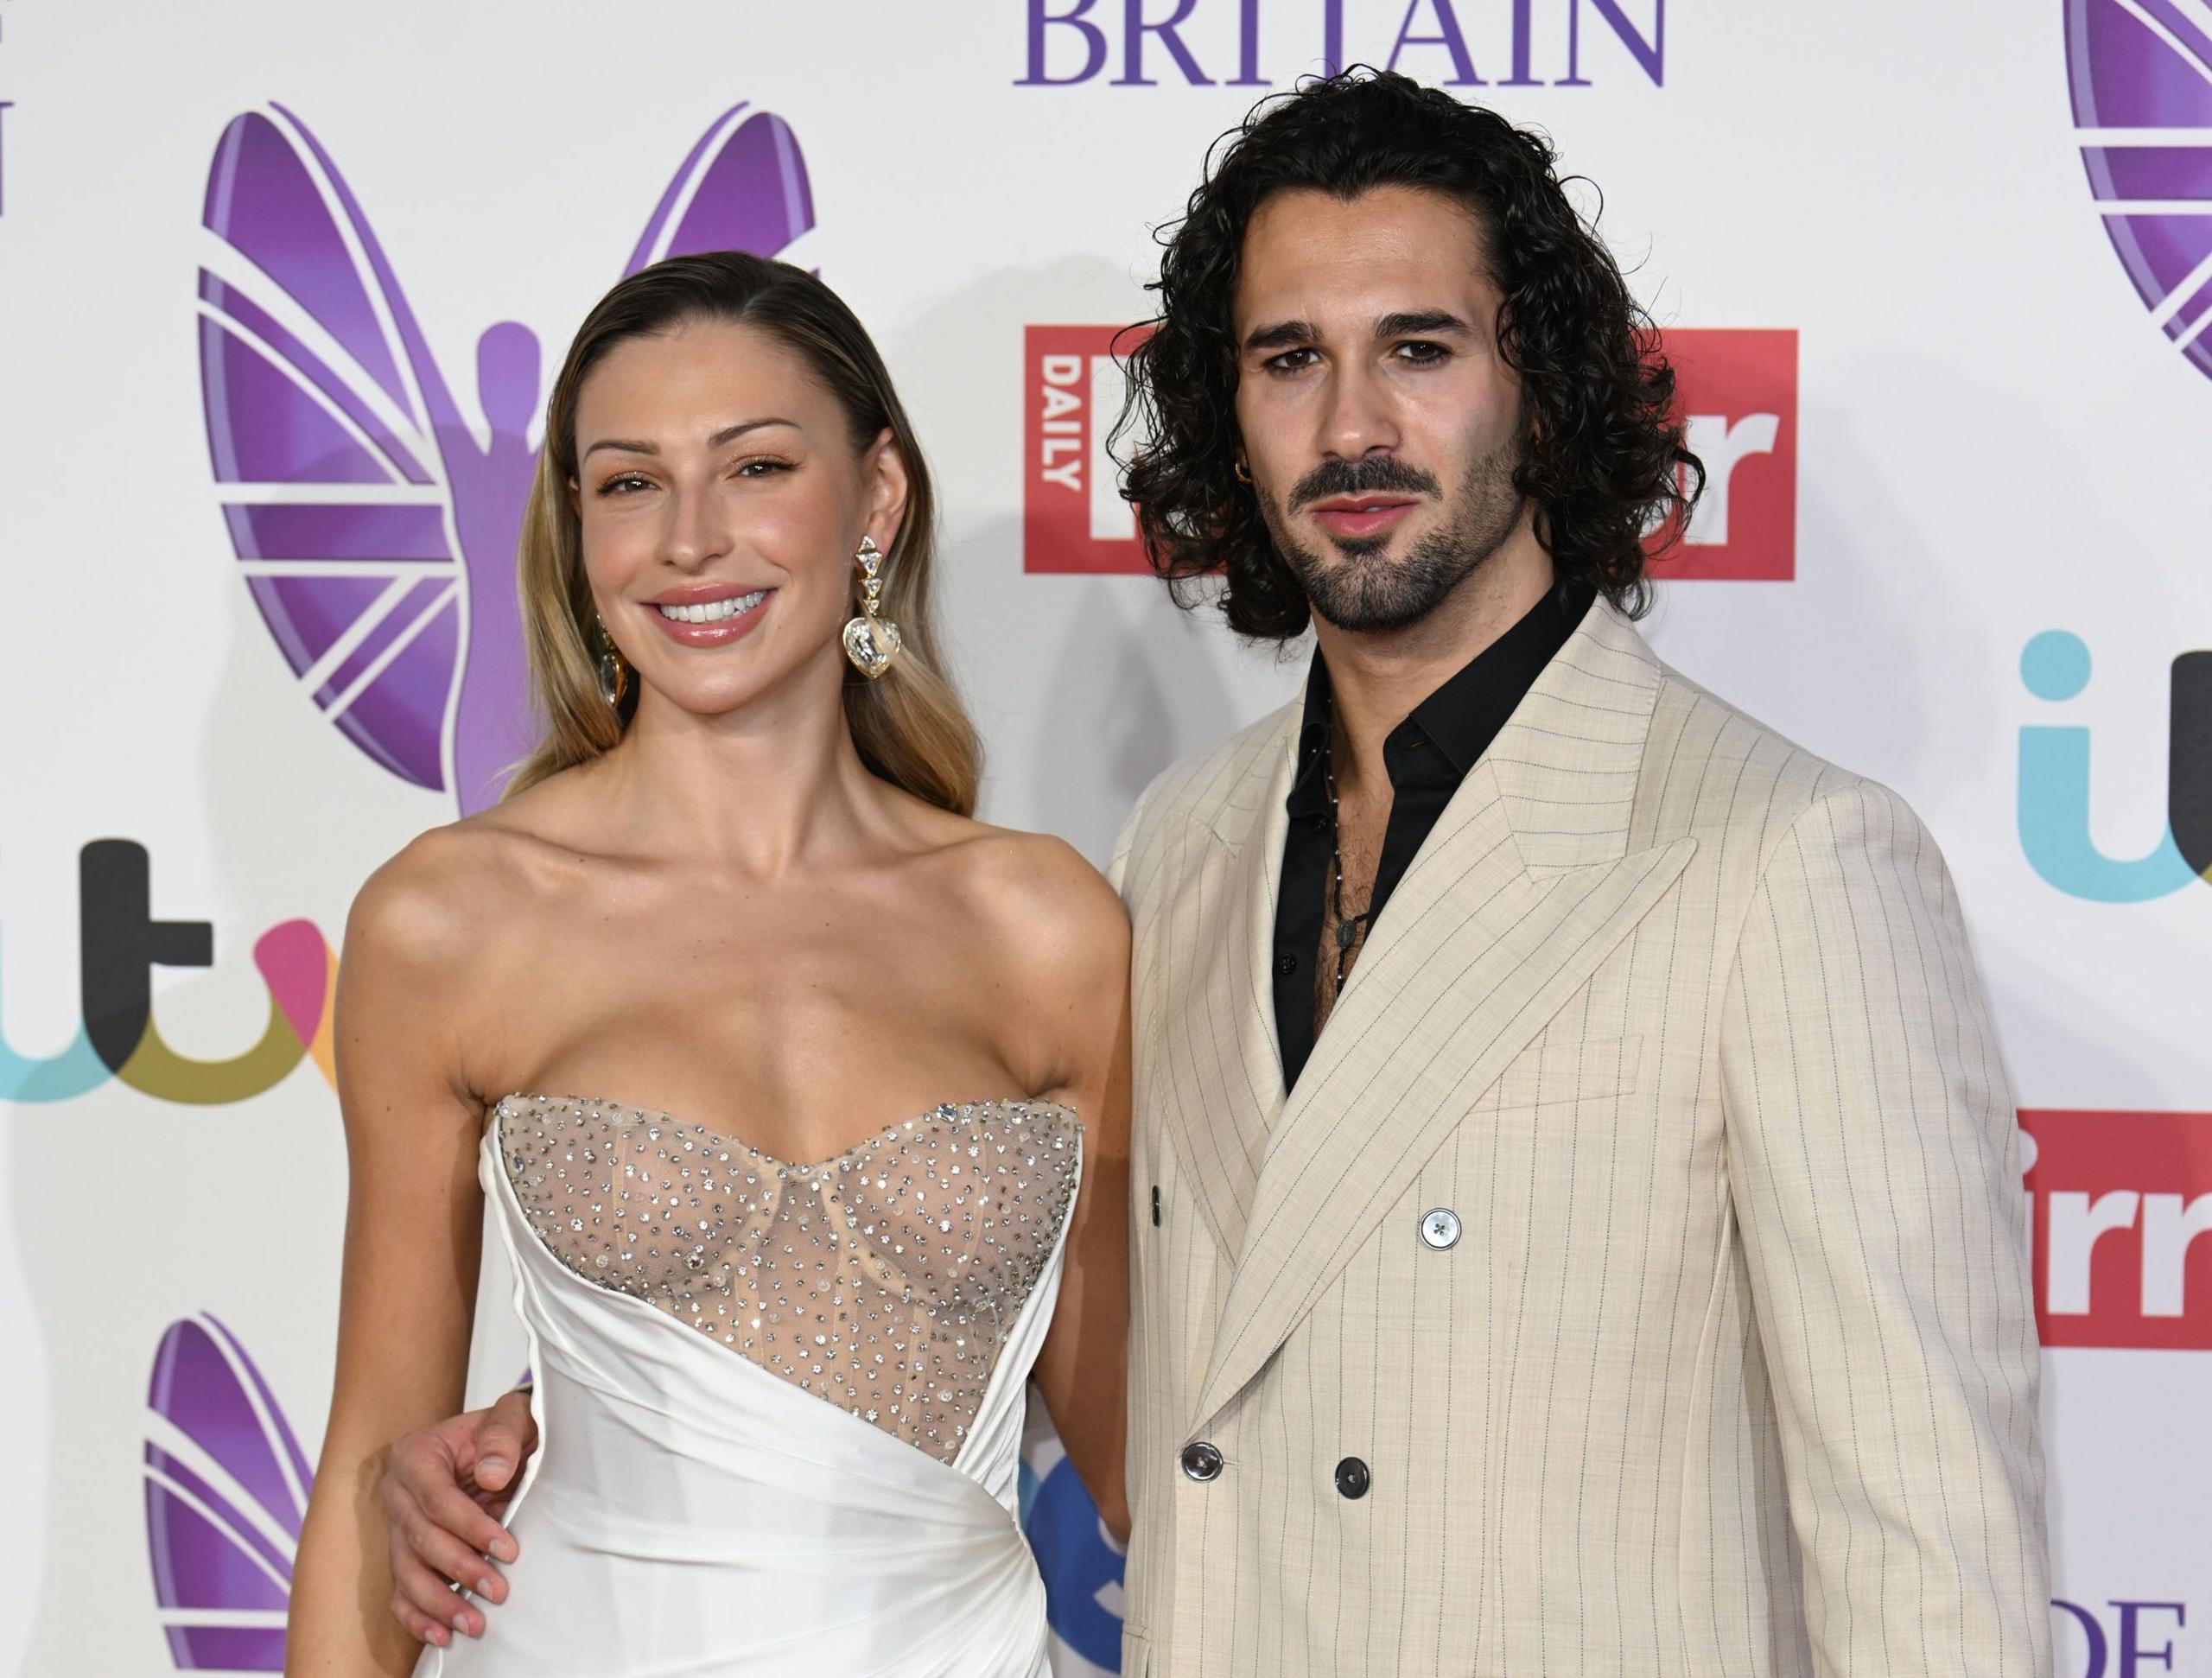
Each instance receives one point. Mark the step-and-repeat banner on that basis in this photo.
(281, 285)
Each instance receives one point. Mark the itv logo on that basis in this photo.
(2053, 783)
(120, 943)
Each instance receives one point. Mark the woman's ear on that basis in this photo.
(576, 500)
(884, 467)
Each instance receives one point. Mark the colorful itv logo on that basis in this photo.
(2055, 779)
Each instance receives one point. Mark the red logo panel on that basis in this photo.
(1736, 393)
(1073, 517)
(1736, 390)
(2117, 1202)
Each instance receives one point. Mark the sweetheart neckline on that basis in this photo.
(866, 1143)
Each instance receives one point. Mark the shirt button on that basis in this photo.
(1201, 1462)
(1352, 1477)
(1440, 1229)
(1285, 963)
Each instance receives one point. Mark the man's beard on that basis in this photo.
(1365, 591)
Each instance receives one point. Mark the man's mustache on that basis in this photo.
(1374, 475)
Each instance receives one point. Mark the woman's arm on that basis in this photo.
(413, 1228)
(1082, 993)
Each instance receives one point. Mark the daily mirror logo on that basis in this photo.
(1073, 517)
(2119, 1206)
(2141, 73)
(1736, 394)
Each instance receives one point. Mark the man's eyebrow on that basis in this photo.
(1282, 335)
(728, 434)
(1409, 323)
(1406, 323)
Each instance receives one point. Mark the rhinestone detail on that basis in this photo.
(884, 1280)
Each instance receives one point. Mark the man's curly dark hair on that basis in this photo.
(1604, 459)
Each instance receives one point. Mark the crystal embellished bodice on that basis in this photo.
(884, 1280)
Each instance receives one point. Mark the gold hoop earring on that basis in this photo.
(613, 671)
(1243, 472)
(871, 640)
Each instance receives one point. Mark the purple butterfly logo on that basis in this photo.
(226, 1486)
(2141, 75)
(374, 517)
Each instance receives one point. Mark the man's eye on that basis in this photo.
(1422, 353)
(1289, 361)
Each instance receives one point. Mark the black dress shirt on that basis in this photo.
(1427, 757)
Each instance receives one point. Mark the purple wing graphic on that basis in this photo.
(2140, 72)
(226, 1487)
(742, 188)
(375, 523)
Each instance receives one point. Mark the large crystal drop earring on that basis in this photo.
(614, 672)
(871, 639)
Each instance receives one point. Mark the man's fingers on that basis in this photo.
(499, 1452)
(420, 1598)
(419, 1626)
(506, 1435)
(421, 1542)
(448, 1506)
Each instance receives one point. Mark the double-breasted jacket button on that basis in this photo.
(1352, 1477)
(1201, 1462)
(1440, 1228)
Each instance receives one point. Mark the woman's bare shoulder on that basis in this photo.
(1049, 907)
(450, 892)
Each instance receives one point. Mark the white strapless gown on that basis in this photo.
(779, 1408)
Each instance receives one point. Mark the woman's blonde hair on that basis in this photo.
(908, 726)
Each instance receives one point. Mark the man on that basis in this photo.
(1575, 1187)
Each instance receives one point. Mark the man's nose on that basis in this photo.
(1356, 419)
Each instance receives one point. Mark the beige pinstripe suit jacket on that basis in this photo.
(1733, 1370)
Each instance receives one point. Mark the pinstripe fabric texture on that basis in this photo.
(1733, 1370)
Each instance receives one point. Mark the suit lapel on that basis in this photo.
(1521, 891)
(1225, 1089)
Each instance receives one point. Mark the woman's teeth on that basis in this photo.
(714, 612)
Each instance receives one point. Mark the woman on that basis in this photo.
(800, 1097)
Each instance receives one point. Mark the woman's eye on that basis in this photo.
(762, 469)
(627, 484)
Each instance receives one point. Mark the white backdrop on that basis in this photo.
(1993, 441)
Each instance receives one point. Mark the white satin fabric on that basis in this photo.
(688, 1512)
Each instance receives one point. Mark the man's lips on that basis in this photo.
(1362, 515)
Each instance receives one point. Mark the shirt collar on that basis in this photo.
(1448, 732)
